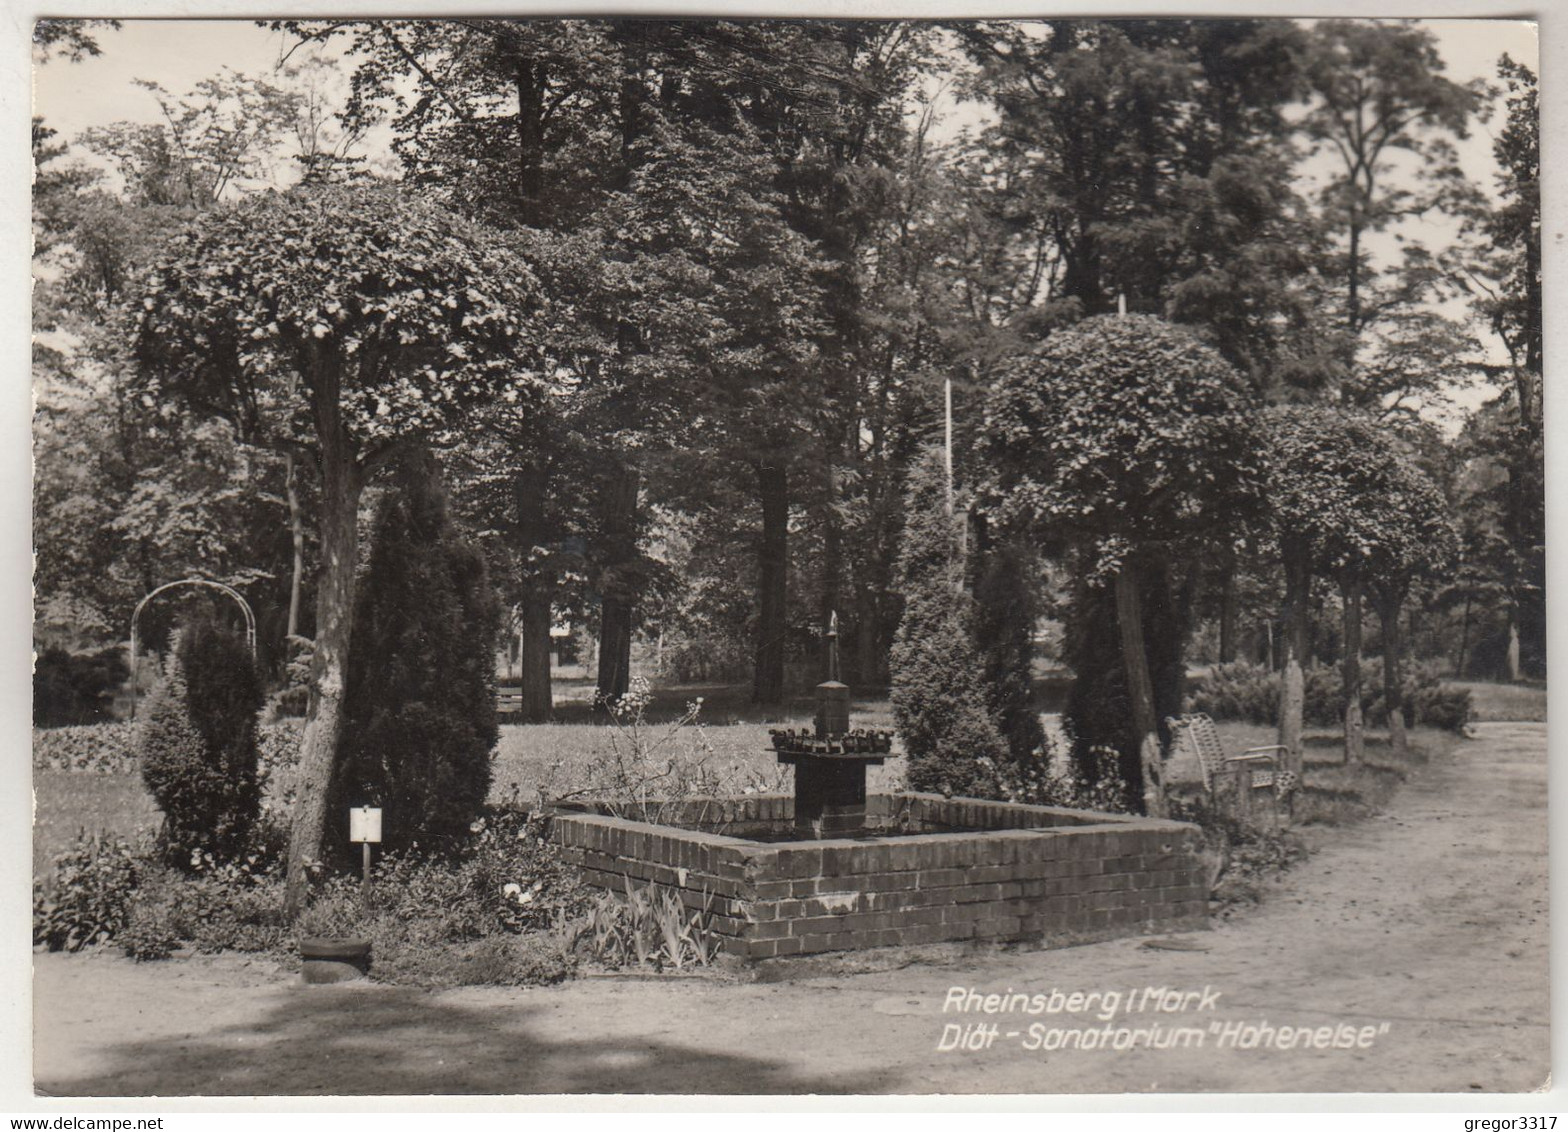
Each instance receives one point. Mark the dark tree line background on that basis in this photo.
(764, 255)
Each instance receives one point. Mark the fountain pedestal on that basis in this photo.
(830, 781)
(830, 765)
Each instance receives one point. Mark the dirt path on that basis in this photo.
(1430, 919)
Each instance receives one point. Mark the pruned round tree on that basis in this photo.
(1419, 540)
(1128, 441)
(1348, 504)
(344, 322)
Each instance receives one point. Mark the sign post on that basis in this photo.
(364, 826)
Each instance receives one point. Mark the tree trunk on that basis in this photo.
(630, 103)
(618, 596)
(870, 658)
(1393, 689)
(297, 532)
(529, 82)
(530, 485)
(1228, 603)
(341, 483)
(1513, 644)
(533, 657)
(1350, 668)
(1464, 640)
(1140, 690)
(1353, 303)
(615, 646)
(772, 576)
(1292, 696)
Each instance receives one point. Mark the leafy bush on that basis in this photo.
(420, 700)
(712, 658)
(234, 906)
(85, 898)
(940, 704)
(292, 700)
(197, 746)
(76, 688)
(501, 906)
(1239, 691)
(1438, 705)
(1249, 693)
(97, 748)
(1042, 782)
(1323, 693)
(1243, 855)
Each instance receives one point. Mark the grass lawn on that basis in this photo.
(1507, 703)
(732, 745)
(66, 802)
(1334, 793)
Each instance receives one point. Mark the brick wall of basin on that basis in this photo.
(945, 869)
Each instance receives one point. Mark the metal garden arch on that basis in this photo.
(250, 621)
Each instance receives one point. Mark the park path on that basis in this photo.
(1430, 918)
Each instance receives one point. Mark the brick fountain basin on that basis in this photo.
(930, 869)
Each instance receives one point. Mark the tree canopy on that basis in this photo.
(1121, 430)
(678, 301)
(395, 309)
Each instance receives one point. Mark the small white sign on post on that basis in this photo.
(364, 827)
(364, 824)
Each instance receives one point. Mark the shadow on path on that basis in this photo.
(362, 1040)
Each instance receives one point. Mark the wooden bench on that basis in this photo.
(508, 702)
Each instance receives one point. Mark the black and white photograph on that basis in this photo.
(644, 554)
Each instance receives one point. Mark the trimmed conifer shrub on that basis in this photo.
(420, 721)
(940, 702)
(197, 744)
(1006, 608)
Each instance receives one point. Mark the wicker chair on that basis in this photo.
(1257, 767)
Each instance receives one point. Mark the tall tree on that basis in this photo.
(222, 136)
(1504, 279)
(1148, 162)
(1347, 503)
(129, 496)
(637, 148)
(1140, 154)
(345, 322)
(1381, 103)
(1129, 438)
